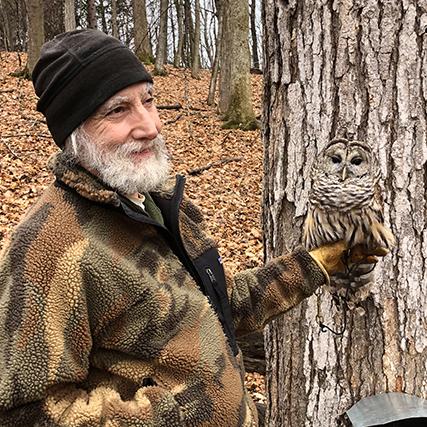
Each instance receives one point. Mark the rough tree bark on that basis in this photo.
(161, 53)
(69, 15)
(35, 31)
(360, 66)
(142, 37)
(91, 14)
(235, 87)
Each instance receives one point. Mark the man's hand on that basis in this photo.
(347, 265)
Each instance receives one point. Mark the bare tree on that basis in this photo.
(141, 35)
(179, 6)
(216, 63)
(35, 31)
(161, 54)
(53, 18)
(188, 34)
(9, 23)
(91, 14)
(114, 24)
(102, 12)
(207, 36)
(360, 66)
(255, 58)
(69, 15)
(235, 90)
(195, 68)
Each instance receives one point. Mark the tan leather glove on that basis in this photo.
(336, 259)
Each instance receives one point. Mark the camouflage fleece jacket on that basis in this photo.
(101, 324)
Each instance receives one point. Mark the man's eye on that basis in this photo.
(149, 101)
(117, 110)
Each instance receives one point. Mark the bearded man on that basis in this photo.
(115, 307)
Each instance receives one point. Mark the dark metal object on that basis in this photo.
(391, 409)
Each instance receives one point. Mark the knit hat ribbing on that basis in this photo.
(77, 72)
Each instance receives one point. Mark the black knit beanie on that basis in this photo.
(77, 72)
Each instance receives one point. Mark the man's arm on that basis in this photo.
(260, 294)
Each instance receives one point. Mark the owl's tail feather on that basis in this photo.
(382, 236)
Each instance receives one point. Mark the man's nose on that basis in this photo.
(145, 125)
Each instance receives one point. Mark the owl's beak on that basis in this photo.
(344, 174)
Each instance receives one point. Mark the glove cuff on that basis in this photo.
(327, 278)
(315, 274)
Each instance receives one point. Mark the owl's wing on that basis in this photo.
(308, 234)
(380, 234)
(322, 227)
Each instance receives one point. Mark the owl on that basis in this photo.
(345, 202)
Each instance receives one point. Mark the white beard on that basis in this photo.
(116, 168)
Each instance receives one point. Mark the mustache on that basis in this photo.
(132, 146)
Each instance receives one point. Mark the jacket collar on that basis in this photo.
(91, 187)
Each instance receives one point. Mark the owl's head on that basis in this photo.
(345, 159)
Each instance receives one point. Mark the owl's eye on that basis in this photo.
(356, 161)
(336, 159)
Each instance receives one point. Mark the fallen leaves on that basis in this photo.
(255, 384)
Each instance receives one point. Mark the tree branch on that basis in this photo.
(17, 135)
(198, 171)
(177, 106)
(168, 122)
(10, 149)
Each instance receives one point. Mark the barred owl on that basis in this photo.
(345, 202)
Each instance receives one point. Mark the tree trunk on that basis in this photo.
(162, 39)
(171, 18)
(125, 23)
(114, 24)
(103, 16)
(180, 18)
(9, 24)
(188, 34)
(216, 64)
(255, 58)
(53, 18)
(69, 15)
(35, 31)
(208, 38)
(142, 37)
(360, 66)
(235, 86)
(195, 68)
(91, 14)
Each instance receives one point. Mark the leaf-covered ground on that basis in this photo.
(228, 194)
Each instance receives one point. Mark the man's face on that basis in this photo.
(129, 115)
(121, 142)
